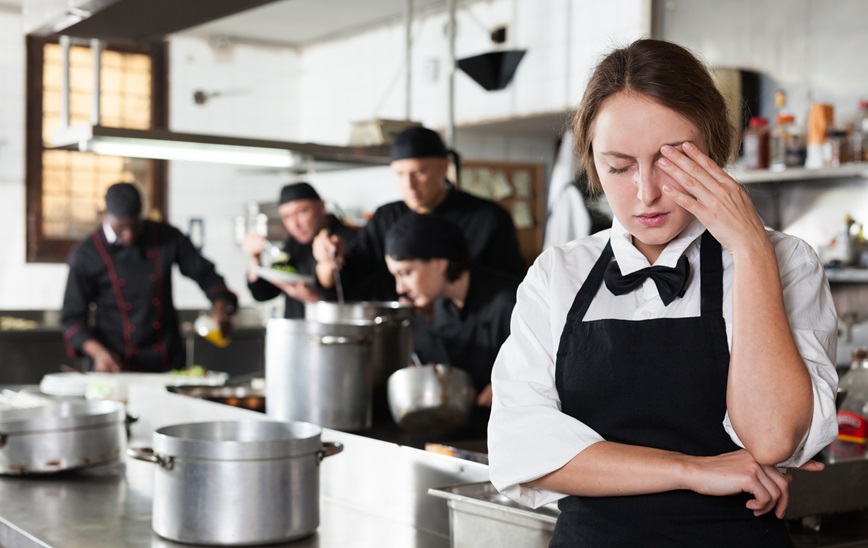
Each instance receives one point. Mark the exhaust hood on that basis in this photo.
(159, 144)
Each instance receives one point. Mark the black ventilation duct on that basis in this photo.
(492, 70)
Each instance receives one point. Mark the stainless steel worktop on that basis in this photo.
(373, 494)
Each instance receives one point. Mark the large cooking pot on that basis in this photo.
(237, 482)
(433, 398)
(61, 436)
(319, 372)
(391, 328)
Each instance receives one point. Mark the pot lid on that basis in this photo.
(238, 440)
(61, 416)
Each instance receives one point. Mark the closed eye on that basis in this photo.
(618, 170)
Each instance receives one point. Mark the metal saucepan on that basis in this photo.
(236, 396)
(236, 482)
(61, 436)
(433, 398)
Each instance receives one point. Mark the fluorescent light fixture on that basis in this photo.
(166, 145)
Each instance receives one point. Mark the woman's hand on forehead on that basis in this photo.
(704, 189)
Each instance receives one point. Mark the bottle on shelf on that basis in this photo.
(780, 136)
(860, 132)
(756, 144)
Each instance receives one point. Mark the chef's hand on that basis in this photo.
(738, 472)
(328, 250)
(253, 245)
(104, 360)
(484, 397)
(704, 189)
(220, 313)
(299, 291)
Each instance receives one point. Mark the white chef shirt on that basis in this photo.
(529, 436)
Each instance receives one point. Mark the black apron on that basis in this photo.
(656, 383)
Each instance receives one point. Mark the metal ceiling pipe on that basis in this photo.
(450, 96)
(64, 80)
(408, 58)
(96, 95)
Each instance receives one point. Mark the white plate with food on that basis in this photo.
(283, 274)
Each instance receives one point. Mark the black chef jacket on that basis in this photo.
(469, 338)
(132, 290)
(301, 257)
(488, 227)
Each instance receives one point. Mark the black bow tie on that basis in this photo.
(671, 282)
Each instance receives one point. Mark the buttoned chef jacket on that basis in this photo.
(528, 435)
(132, 290)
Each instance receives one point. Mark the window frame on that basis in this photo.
(42, 249)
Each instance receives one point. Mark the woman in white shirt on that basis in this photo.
(658, 407)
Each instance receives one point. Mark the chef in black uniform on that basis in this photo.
(420, 162)
(465, 306)
(125, 269)
(303, 214)
(659, 374)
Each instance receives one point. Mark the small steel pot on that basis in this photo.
(61, 436)
(431, 398)
(236, 483)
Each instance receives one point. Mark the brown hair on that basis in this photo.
(665, 73)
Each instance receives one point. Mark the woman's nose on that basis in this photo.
(648, 184)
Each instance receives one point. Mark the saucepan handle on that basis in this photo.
(148, 455)
(3, 439)
(328, 449)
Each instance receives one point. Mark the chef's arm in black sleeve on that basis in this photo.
(74, 314)
(196, 267)
(261, 290)
(502, 251)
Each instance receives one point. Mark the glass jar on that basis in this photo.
(755, 144)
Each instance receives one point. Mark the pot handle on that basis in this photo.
(3, 439)
(404, 322)
(328, 449)
(147, 454)
(336, 340)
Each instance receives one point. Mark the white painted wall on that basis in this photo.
(314, 94)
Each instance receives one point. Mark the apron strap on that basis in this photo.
(711, 268)
(592, 284)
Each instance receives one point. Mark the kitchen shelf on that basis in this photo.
(845, 171)
(847, 275)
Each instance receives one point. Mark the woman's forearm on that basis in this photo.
(769, 394)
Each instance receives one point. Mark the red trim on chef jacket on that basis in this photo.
(125, 320)
(158, 279)
(219, 288)
(67, 339)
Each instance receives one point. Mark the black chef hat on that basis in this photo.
(425, 236)
(418, 142)
(123, 200)
(298, 191)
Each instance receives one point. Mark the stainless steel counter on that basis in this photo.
(373, 494)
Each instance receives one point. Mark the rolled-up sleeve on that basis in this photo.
(528, 435)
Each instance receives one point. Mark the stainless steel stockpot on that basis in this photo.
(318, 372)
(61, 435)
(391, 325)
(236, 482)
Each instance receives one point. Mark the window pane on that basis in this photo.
(74, 183)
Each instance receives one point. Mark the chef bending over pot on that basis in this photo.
(466, 307)
(660, 374)
(125, 269)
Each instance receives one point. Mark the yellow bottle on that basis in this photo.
(209, 329)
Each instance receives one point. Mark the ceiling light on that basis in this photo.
(166, 145)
